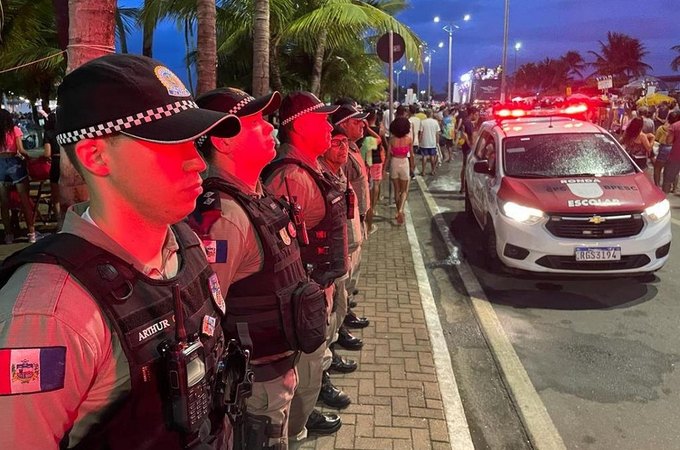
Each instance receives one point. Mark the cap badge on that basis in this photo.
(173, 84)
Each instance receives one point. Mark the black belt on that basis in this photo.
(269, 371)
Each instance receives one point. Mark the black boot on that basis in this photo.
(332, 396)
(318, 423)
(353, 321)
(347, 341)
(340, 364)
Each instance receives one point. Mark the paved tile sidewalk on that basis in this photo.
(396, 398)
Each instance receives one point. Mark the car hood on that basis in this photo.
(629, 193)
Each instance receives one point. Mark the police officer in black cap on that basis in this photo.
(110, 329)
(250, 237)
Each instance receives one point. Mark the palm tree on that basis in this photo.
(261, 48)
(206, 46)
(620, 56)
(575, 63)
(675, 64)
(331, 24)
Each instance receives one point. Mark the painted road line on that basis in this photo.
(537, 422)
(459, 432)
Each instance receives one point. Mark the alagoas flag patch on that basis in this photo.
(31, 370)
(216, 251)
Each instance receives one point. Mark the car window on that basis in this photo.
(479, 149)
(558, 155)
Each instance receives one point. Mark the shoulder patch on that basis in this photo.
(32, 370)
(216, 251)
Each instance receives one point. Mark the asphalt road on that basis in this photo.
(601, 353)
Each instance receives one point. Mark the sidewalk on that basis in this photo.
(396, 397)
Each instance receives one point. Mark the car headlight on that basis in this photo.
(523, 214)
(658, 211)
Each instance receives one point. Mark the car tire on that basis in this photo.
(493, 263)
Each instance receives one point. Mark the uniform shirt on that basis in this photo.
(245, 253)
(354, 232)
(357, 175)
(307, 193)
(302, 185)
(43, 306)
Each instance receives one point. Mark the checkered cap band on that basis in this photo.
(128, 122)
(302, 113)
(243, 102)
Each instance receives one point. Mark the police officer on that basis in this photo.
(305, 133)
(351, 121)
(250, 238)
(109, 331)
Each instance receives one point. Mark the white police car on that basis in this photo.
(555, 194)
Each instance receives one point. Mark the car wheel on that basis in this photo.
(493, 263)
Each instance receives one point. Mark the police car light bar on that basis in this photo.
(513, 112)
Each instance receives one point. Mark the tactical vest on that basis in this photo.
(327, 249)
(263, 308)
(140, 311)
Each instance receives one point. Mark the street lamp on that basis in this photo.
(398, 72)
(518, 45)
(428, 60)
(450, 28)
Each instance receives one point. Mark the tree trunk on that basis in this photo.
(91, 24)
(315, 85)
(61, 19)
(261, 48)
(275, 69)
(147, 40)
(206, 45)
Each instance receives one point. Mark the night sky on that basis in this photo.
(546, 28)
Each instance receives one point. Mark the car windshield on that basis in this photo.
(559, 155)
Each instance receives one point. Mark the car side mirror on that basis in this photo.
(483, 167)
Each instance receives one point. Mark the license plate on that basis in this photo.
(598, 253)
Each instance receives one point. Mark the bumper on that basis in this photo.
(533, 248)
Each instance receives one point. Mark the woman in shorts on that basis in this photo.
(401, 162)
(13, 172)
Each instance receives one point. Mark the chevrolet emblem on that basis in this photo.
(597, 220)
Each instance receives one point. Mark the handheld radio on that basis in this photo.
(187, 383)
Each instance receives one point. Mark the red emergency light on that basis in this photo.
(505, 112)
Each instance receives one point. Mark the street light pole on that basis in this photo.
(506, 26)
(518, 45)
(450, 29)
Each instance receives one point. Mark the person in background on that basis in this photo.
(53, 151)
(672, 167)
(637, 143)
(468, 129)
(13, 171)
(448, 129)
(663, 152)
(429, 130)
(401, 162)
(374, 150)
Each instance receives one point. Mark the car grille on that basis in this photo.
(570, 263)
(589, 226)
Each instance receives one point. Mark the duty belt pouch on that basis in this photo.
(309, 309)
